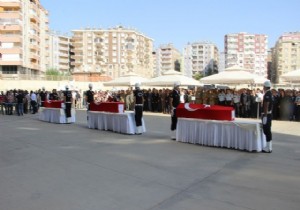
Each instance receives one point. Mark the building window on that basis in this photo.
(9, 70)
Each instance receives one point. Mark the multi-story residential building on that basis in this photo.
(221, 63)
(286, 55)
(200, 57)
(248, 51)
(155, 64)
(114, 52)
(168, 58)
(23, 39)
(59, 53)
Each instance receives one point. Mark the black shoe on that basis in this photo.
(265, 151)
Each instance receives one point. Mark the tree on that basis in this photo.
(52, 72)
(197, 76)
(177, 65)
(216, 68)
(209, 71)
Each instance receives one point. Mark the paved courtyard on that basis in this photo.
(46, 166)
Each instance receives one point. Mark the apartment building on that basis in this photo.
(155, 64)
(59, 52)
(285, 55)
(200, 57)
(168, 58)
(221, 63)
(249, 51)
(23, 39)
(113, 52)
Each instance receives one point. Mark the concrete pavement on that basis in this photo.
(46, 166)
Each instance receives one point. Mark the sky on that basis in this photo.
(178, 21)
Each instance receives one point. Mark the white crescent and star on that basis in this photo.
(187, 107)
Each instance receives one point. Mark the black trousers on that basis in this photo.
(34, 106)
(68, 109)
(267, 128)
(173, 121)
(138, 115)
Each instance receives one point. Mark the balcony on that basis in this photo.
(10, 28)
(64, 55)
(61, 48)
(10, 63)
(34, 6)
(34, 18)
(34, 37)
(77, 44)
(77, 38)
(14, 50)
(33, 65)
(34, 26)
(11, 38)
(11, 4)
(77, 50)
(34, 56)
(34, 46)
(11, 15)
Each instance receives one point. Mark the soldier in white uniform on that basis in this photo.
(228, 98)
(221, 97)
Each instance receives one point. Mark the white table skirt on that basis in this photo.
(237, 134)
(56, 115)
(117, 122)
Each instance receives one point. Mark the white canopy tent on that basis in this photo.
(234, 75)
(127, 80)
(169, 78)
(292, 76)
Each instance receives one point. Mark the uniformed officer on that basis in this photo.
(174, 102)
(89, 96)
(68, 101)
(138, 108)
(43, 96)
(221, 97)
(228, 98)
(236, 103)
(267, 115)
(53, 96)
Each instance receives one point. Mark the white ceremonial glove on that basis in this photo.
(172, 112)
(264, 120)
(63, 105)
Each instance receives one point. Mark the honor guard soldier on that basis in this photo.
(89, 96)
(267, 115)
(138, 108)
(174, 102)
(68, 102)
(43, 96)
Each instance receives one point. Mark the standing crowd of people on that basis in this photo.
(246, 102)
(22, 102)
